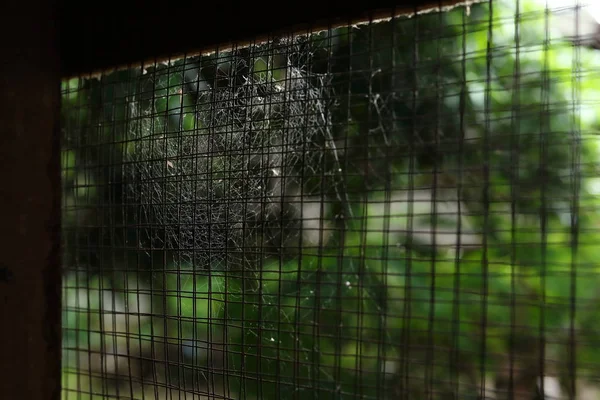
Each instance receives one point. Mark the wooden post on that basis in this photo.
(30, 306)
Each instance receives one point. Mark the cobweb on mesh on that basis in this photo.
(224, 193)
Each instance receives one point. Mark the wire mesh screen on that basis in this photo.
(398, 209)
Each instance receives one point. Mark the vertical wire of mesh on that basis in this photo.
(513, 207)
(398, 208)
(573, 364)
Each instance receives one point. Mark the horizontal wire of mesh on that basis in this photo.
(404, 209)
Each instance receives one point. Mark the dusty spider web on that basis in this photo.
(240, 184)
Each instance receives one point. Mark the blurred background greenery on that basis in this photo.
(445, 227)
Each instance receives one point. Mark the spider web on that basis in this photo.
(230, 191)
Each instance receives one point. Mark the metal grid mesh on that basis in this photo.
(403, 209)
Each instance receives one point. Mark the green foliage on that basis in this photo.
(193, 306)
(461, 107)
